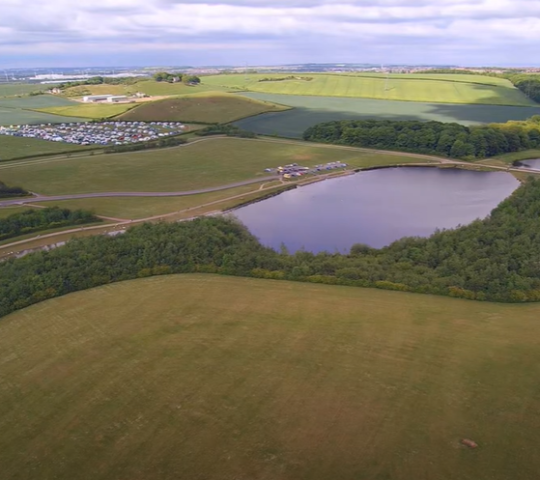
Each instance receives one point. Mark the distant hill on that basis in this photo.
(462, 89)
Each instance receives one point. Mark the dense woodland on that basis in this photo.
(436, 138)
(37, 220)
(7, 191)
(494, 259)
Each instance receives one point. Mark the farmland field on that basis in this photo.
(17, 147)
(309, 111)
(90, 110)
(7, 211)
(13, 89)
(153, 88)
(205, 377)
(378, 87)
(144, 207)
(211, 107)
(207, 163)
(20, 111)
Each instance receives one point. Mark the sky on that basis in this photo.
(79, 33)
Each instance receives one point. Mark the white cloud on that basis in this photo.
(142, 25)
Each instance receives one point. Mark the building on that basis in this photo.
(116, 98)
(96, 98)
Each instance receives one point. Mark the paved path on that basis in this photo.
(45, 198)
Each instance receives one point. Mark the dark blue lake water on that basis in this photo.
(375, 207)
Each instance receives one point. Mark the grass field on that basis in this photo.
(204, 377)
(309, 111)
(7, 211)
(211, 107)
(13, 89)
(149, 87)
(446, 77)
(378, 87)
(207, 163)
(144, 207)
(90, 110)
(17, 147)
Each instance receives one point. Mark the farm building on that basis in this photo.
(117, 98)
(96, 98)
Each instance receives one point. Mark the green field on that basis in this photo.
(309, 111)
(7, 211)
(149, 87)
(397, 87)
(144, 207)
(90, 110)
(211, 107)
(446, 77)
(17, 147)
(23, 110)
(168, 89)
(204, 164)
(204, 377)
(14, 89)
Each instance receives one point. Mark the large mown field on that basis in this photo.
(396, 87)
(19, 147)
(203, 164)
(211, 107)
(205, 377)
(310, 111)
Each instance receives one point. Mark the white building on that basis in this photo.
(117, 98)
(96, 98)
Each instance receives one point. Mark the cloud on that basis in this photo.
(389, 31)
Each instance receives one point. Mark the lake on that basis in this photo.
(375, 207)
(533, 164)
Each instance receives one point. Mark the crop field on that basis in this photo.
(393, 88)
(204, 164)
(309, 111)
(39, 101)
(153, 88)
(143, 207)
(14, 89)
(18, 147)
(90, 110)
(211, 107)
(215, 378)
(18, 116)
(446, 77)
(104, 89)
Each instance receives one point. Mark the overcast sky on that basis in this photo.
(264, 32)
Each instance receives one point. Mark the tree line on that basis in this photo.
(36, 220)
(436, 138)
(224, 129)
(7, 192)
(495, 259)
(164, 142)
(176, 77)
(99, 80)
